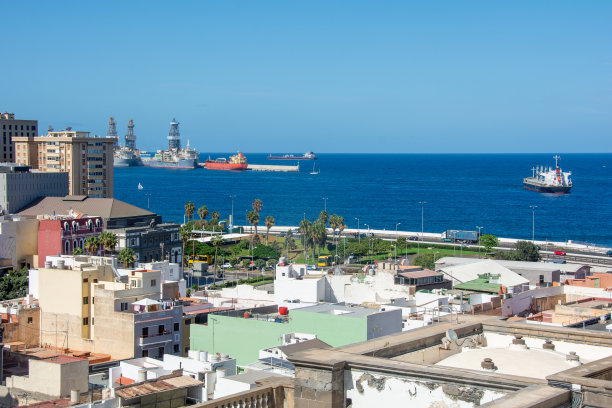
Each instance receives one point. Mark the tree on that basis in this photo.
(108, 240)
(526, 251)
(304, 229)
(253, 218)
(489, 242)
(260, 263)
(217, 241)
(77, 251)
(14, 284)
(425, 261)
(185, 234)
(324, 216)
(257, 205)
(189, 209)
(203, 212)
(127, 256)
(270, 221)
(215, 215)
(91, 245)
(319, 235)
(334, 223)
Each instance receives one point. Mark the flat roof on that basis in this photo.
(340, 309)
(252, 376)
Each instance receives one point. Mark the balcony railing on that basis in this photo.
(155, 337)
(255, 398)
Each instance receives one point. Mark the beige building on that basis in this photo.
(87, 160)
(10, 128)
(19, 240)
(83, 307)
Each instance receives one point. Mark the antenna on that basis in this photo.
(556, 157)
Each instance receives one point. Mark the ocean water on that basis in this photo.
(461, 191)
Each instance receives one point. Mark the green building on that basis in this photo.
(335, 324)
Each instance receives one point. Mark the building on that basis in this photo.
(84, 307)
(422, 279)
(11, 128)
(18, 241)
(135, 227)
(173, 390)
(19, 186)
(597, 280)
(462, 273)
(87, 160)
(52, 378)
(335, 324)
(21, 322)
(62, 234)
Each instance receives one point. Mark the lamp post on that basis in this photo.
(479, 228)
(396, 237)
(422, 211)
(533, 207)
(148, 196)
(358, 234)
(325, 199)
(232, 223)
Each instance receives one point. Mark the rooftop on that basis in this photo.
(479, 285)
(340, 309)
(252, 376)
(107, 208)
(425, 273)
(304, 345)
(164, 383)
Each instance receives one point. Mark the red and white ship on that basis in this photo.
(236, 163)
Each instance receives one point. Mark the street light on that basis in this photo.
(358, 234)
(422, 210)
(533, 207)
(232, 223)
(479, 228)
(325, 199)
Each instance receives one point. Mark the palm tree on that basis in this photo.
(92, 244)
(253, 218)
(257, 205)
(305, 227)
(324, 216)
(203, 212)
(189, 209)
(270, 221)
(216, 241)
(108, 241)
(334, 223)
(77, 251)
(185, 233)
(319, 235)
(215, 214)
(127, 256)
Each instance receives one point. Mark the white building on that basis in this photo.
(461, 273)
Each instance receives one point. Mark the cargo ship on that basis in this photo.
(305, 156)
(236, 163)
(547, 180)
(175, 157)
(126, 155)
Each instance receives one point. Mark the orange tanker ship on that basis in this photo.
(236, 163)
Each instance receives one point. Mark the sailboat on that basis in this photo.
(140, 187)
(313, 170)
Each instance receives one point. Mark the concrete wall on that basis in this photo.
(18, 240)
(306, 290)
(521, 302)
(19, 189)
(53, 379)
(367, 389)
(26, 329)
(114, 332)
(384, 323)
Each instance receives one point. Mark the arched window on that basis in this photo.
(75, 244)
(81, 244)
(98, 223)
(66, 227)
(67, 246)
(75, 226)
(90, 225)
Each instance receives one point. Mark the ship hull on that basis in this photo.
(211, 165)
(131, 162)
(541, 188)
(181, 164)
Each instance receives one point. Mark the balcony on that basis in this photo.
(270, 393)
(147, 339)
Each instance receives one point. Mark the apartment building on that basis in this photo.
(87, 160)
(83, 307)
(10, 128)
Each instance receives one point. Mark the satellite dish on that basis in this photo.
(451, 335)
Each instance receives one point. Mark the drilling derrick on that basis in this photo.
(112, 130)
(174, 137)
(130, 137)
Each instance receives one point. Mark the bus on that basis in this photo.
(200, 259)
(325, 260)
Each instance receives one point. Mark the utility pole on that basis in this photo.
(325, 199)
(422, 211)
(358, 234)
(232, 223)
(479, 228)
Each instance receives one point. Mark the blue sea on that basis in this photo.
(461, 191)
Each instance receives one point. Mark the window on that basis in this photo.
(145, 332)
(161, 328)
(176, 348)
(85, 300)
(188, 322)
(29, 320)
(85, 280)
(92, 321)
(145, 353)
(176, 327)
(85, 321)
(124, 306)
(93, 301)
(153, 282)
(160, 352)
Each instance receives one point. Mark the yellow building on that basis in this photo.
(87, 160)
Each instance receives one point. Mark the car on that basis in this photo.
(413, 238)
(226, 265)
(558, 252)
(609, 253)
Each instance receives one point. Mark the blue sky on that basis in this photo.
(343, 76)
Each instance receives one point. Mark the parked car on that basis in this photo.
(226, 265)
(558, 252)
(609, 253)
(413, 238)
